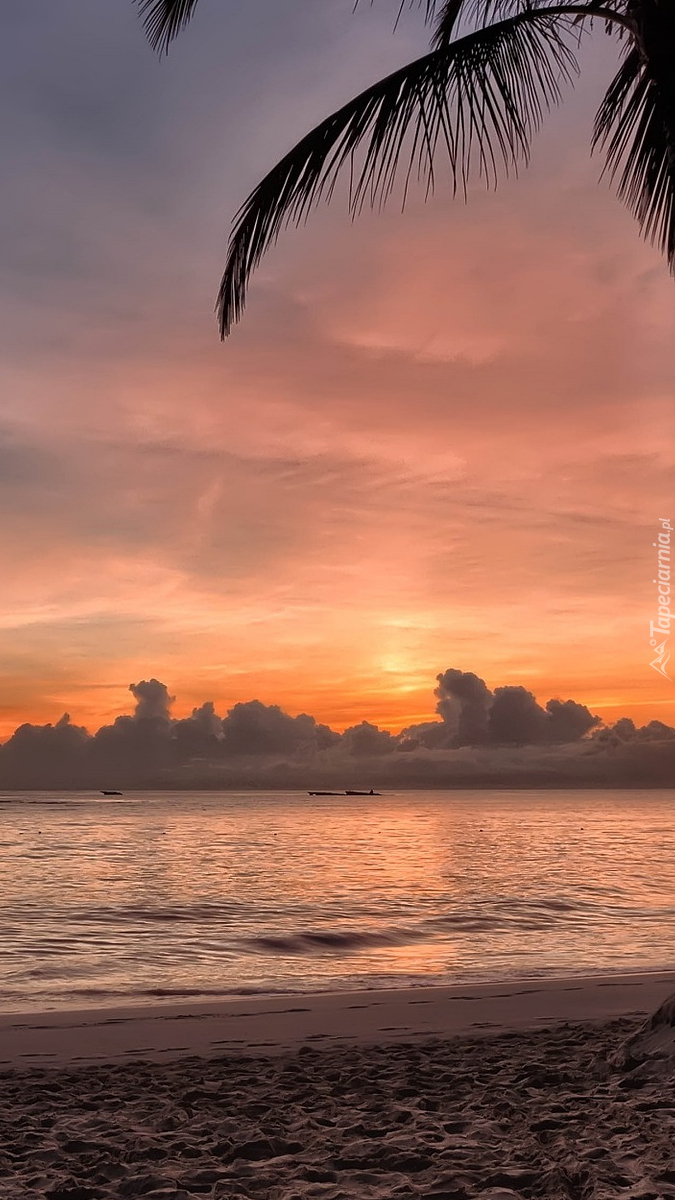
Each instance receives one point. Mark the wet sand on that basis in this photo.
(444, 1093)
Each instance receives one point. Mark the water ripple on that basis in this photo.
(171, 895)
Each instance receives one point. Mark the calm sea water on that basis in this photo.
(173, 895)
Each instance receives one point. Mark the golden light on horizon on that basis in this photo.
(438, 439)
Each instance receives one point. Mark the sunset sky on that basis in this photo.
(442, 438)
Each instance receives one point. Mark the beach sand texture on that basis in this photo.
(551, 1107)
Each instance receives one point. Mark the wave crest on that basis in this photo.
(319, 941)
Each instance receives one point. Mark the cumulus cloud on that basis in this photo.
(256, 728)
(569, 721)
(153, 702)
(482, 738)
(366, 739)
(625, 730)
(37, 754)
(464, 703)
(472, 715)
(429, 735)
(199, 736)
(516, 717)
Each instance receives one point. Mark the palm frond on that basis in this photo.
(448, 19)
(482, 12)
(635, 125)
(481, 98)
(163, 20)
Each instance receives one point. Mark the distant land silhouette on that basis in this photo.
(481, 738)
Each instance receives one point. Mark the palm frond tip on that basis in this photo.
(163, 20)
(481, 96)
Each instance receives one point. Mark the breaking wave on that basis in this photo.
(337, 941)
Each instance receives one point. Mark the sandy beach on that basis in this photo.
(444, 1093)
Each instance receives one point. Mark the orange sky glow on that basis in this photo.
(442, 438)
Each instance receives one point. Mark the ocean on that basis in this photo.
(173, 896)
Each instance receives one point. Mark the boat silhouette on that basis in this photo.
(347, 793)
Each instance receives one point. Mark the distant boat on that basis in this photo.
(370, 793)
(111, 793)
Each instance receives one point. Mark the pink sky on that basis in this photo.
(439, 438)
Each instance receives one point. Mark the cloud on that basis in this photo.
(624, 730)
(263, 729)
(37, 754)
(516, 717)
(153, 702)
(482, 739)
(464, 701)
(392, 435)
(199, 736)
(365, 739)
(473, 715)
(569, 721)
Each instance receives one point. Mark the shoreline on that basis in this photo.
(493, 1092)
(273, 1024)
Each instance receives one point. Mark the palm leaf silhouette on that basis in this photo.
(494, 68)
(634, 126)
(481, 97)
(163, 20)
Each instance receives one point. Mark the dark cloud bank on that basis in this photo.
(482, 738)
